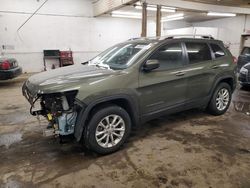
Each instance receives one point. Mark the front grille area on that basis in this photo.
(242, 78)
(248, 77)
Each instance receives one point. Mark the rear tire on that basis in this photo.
(107, 130)
(220, 100)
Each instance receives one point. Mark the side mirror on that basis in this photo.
(151, 65)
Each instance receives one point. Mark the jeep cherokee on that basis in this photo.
(101, 100)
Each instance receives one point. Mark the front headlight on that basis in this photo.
(243, 70)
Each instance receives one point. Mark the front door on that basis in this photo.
(166, 86)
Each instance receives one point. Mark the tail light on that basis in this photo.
(5, 65)
(235, 60)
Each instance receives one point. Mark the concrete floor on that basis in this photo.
(189, 149)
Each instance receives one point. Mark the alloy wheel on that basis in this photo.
(110, 131)
(222, 99)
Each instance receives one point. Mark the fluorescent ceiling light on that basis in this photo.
(164, 7)
(173, 17)
(123, 14)
(167, 10)
(221, 14)
(154, 8)
(127, 13)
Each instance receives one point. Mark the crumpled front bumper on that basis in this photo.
(27, 94)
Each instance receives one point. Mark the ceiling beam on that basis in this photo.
(200, 6)
(105, 6)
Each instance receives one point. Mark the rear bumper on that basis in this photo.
(9, 74)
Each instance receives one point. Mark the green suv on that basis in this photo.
(101, 100)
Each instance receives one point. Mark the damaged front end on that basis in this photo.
(59, 109)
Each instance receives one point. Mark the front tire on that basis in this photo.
(107, 129)
(220, 100)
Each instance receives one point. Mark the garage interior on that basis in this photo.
(185, 149)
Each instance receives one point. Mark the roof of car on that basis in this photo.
(158, 39)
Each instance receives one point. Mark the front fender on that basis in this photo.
(91, 102)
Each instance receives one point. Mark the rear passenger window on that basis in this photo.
(218, 52)
(198, 52)
(169, 56)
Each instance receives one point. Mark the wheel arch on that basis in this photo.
(124, 101)
(230, 80)
(227, 79)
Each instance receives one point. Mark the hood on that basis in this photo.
(66, 78)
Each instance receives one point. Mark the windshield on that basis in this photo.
(120, 56)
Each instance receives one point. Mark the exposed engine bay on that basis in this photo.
(59, 109)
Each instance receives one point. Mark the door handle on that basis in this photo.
(180, 73)
(215, 67)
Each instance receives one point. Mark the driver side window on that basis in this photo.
(169, 56)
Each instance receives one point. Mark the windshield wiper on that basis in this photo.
(103, 66)
(99, 65)
(85, 63)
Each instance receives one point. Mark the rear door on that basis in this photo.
(201, 71)
(166, 86)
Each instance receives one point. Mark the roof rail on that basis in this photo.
(190, 36)
(133, 38)
(136, 38)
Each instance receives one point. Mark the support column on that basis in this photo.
(158, 21)
(144, 20)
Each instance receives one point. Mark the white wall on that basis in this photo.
(213, 31)
(69, 24)
(176, 25)
(229, 30)
(60, 24)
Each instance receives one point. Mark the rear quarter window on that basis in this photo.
(218, 51)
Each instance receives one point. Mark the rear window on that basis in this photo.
(246, 51)
(218, 52)
(198, 52)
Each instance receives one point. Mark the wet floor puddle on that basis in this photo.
(10, 138)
